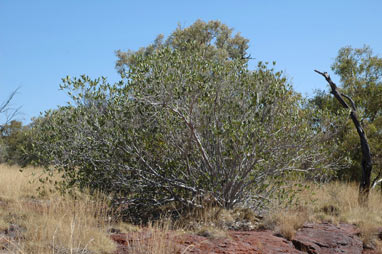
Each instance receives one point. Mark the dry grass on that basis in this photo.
(285, 221)
(214, 221)
(31, 223)
(208, 217)
(35, 222)
(54, 224)
(334, 203)
(155, 240)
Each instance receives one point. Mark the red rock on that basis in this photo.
(328, 239)
(262, 242)
(312, 239)
(119, 239)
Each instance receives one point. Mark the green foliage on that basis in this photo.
(188, 121)
(3, 151)
(213, 39)
(10, 136)
(361, 78)
(15, 143)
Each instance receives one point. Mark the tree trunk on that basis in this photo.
(366, 162)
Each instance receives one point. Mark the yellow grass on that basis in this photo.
(50, 223)
(55, 224)
(155, 240)
(334, 203)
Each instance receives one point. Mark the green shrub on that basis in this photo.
(188, 122)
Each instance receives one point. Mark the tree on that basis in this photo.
(188, 122)
(17, 143)
(6, 110)
(366, 161)
(360, 74)
(7, 113)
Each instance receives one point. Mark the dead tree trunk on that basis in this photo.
(366, 162)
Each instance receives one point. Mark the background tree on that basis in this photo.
(17, 143)
(366, 160)
(7, 113)
(360, 74)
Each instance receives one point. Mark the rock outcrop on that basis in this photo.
(328, 239)
(311, 239)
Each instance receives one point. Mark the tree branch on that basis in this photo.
(351, 101)
(366, 161)
(196, 137)
(5, 108)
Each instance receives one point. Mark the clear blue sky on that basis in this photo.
(43, 41)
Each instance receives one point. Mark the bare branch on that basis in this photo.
(351, 101)
(196, 137)
(6, 109)
(366, 161)
(4, 105)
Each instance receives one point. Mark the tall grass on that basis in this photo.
(335, 202)
(52, 223)
(49, 223)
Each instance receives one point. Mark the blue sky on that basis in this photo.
(43, 41)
